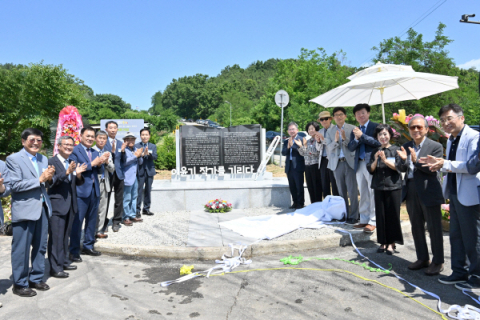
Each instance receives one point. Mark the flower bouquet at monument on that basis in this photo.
(399, 124)
(218, 205)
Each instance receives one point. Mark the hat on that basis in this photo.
(324, 114)
(129, 135)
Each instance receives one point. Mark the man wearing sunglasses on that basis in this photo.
(327, 179)
(423, 193)
(30, 176)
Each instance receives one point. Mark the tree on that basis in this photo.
(32, 96)
(114, 102)
(313, 73)
(192, 96)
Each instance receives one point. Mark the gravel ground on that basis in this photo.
(171, 228)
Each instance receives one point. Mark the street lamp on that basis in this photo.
(466, 16)
(230, 112)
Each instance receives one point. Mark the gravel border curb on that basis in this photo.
(260, 249)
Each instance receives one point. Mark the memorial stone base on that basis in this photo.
(194, 194)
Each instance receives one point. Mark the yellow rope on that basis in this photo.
(338, 270)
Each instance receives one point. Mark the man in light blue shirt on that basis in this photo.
(131, 157)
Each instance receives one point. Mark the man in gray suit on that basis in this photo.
(105, 186)
(461, 188)
(341, 161)
(29, 173)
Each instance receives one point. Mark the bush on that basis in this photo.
(166, 154)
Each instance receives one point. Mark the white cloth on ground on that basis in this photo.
(269, 227)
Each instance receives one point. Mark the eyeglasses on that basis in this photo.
(413, 128)
(33, 140)
(339, 115)
(323, 119)
(448, 119)
(68, 145)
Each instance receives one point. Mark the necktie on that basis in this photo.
(113, 145)
(362, 146)
(66, 168)
(89, 153)
(35, 165)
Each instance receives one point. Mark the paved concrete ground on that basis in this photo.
(114, 287)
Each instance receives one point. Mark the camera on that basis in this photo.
(466, 16)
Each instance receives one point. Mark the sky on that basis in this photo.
(136, 48)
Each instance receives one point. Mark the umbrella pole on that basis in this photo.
(383, 107)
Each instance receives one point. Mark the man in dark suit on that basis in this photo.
(63, 196)
(145, 173)
(29, 174)
(294, 166)
(363, 143)
(88, 195)
(114, 147)
(423, 193)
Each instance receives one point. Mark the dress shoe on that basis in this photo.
(24, 292)
(419, 264)
(127, 222)
(360, 225)
(136, 219)
(293, 206)
(453, 279)
(369, 228)
(42, 286)
(381, 250)
(350, 221)
(91, 252)
(434, 269)
(101, 236)
(75, 258)
(70, 267)
(300, 206)
(60, 274)
(147, 212)
(116, 227)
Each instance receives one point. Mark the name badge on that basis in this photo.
(391, 159)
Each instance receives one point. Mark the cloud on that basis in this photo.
(475, 63)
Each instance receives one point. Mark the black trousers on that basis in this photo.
(419, 215)
(314, 185)
(295, 182)
(118, 207)
(144, 193)
(59, 230)
(387, 213)
(328, 179)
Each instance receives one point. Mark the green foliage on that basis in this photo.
(313, 73)
(166, 154)
(32, 96)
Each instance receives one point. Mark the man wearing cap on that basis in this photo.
(327, 179)
(131, 158)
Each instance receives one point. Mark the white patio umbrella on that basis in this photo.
(381, 67)
(384, 87)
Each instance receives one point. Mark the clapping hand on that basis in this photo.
(382, 156)
(413, 154)
(71, 167)
(138, 152)
(47, 174)
(357, 132)
(432, 162)
(299, 143)
(337, 136)
(377, 154)
(124, 145)
(81, 168)
(290, 142)
(343, 134)
(319, 137)
(145, 152)
(402, 153)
